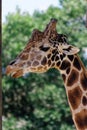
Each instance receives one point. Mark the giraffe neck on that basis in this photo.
(75, 80)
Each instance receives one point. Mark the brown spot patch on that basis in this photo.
(40, 68)
(33, 69)
(21, 64)
(70, 57)
(29, 63)
(81, 119)
(45, 67)
(84, 81)
(84, 100)
(38, 57)
(64, 77)
(65, 64)
(32, 56)
(68, 70)
(49, 55)
(57, 58)
(73, 77)
(61, 57)
(58, 63)
(44, 61)
(35, 63)
(24, 56)
(49, 62)
(54, 51)
(53, 57)
(77, 64)
(74, 96)
(27, 48)
(53, 64)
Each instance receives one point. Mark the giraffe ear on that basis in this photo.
(70, 50)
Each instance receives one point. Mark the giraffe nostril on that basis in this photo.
(12, 62)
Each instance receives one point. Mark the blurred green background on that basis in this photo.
(38, 101)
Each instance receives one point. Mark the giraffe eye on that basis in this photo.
(44, 48)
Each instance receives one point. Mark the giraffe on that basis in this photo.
(49, 49)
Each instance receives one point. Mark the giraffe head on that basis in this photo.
(44, 50)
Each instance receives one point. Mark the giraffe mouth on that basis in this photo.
(14, 71)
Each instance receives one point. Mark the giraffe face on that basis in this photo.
(45, 50)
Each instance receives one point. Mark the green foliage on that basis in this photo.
(38, 101)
